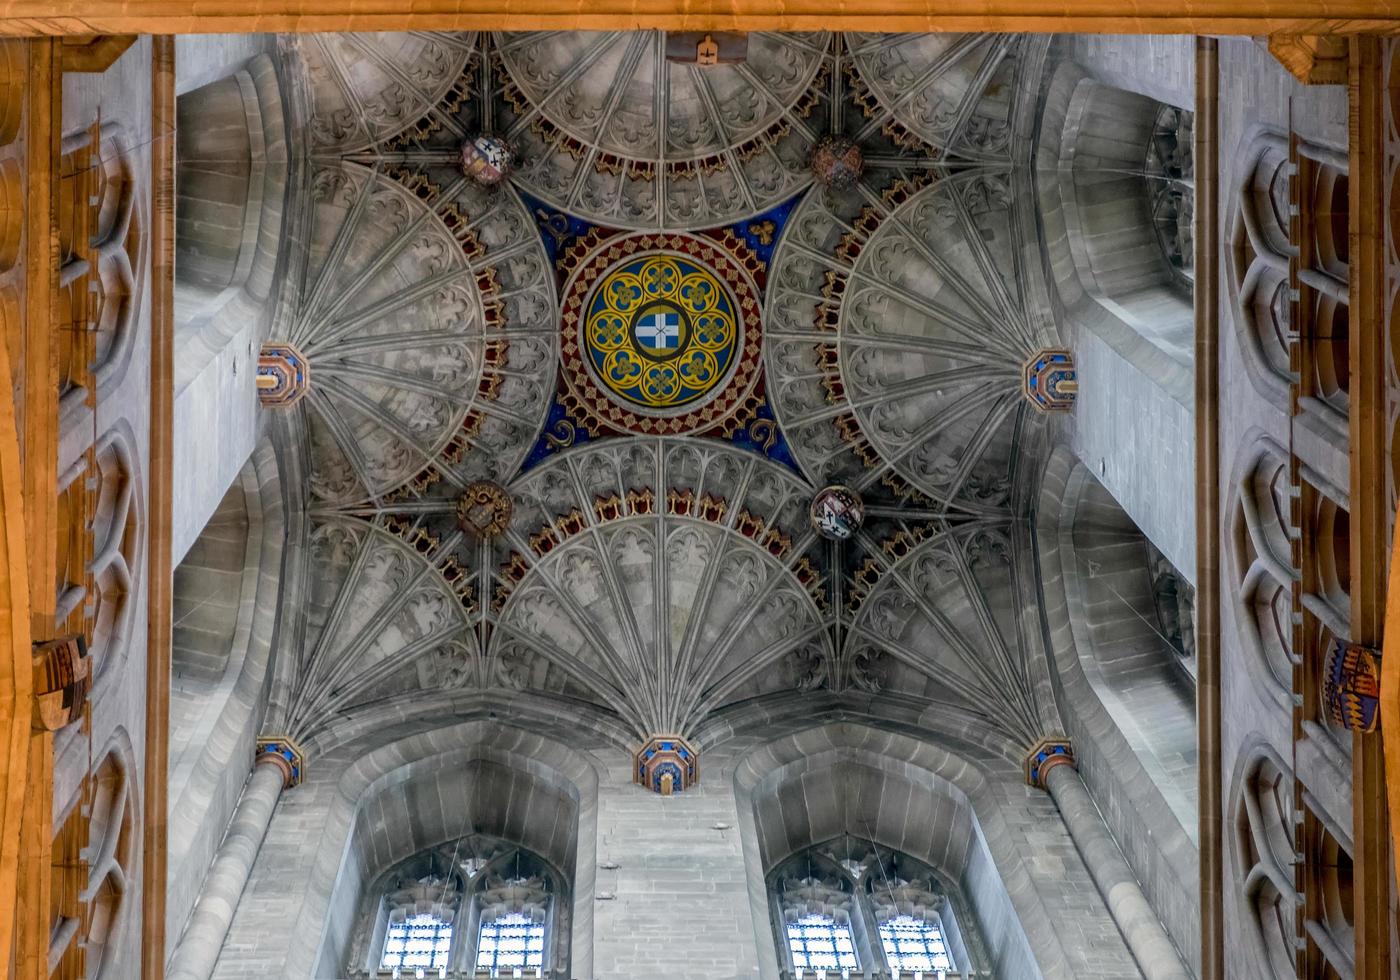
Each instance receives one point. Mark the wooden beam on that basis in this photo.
(1208, 533)
(39, 441)
(1297, 17)
(158, 512)
(1368, 358)
(15, 656)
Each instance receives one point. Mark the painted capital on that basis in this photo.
(284, 375)
(1044, 756)
(1049, 380)
(283, 753)
(666, 764)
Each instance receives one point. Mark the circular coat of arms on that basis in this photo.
(660, 334)
(837, 512)
(487, 159)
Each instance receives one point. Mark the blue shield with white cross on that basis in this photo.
(659, 332)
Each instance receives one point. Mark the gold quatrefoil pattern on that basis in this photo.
(661, 333)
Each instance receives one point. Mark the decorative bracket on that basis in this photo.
(1044, 756)
(286, 755)
(1312, 59)
(666, 764)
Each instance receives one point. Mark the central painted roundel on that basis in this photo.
(661, 331)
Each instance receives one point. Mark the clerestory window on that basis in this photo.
(846, 907)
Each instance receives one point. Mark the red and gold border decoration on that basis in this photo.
(586, 399)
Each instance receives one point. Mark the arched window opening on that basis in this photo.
(1175, 601)
(514, 919)
(419, 934)
(914, 944)
(1131, 615)
(1124, 179)
(850, 905)
(474, 907)
(1170, 170)
(817, 923)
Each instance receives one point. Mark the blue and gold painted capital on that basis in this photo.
(661, 332)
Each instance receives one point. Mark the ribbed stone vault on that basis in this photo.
(659, 582)
(427, 313)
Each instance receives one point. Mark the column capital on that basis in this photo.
(666, 764)
(1045, 755)
(283, 375)
(1050, 381)
(285, 754)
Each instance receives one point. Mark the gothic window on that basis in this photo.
(472, 907)
(849, 905)
(1170, 170)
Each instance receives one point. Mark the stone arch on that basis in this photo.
(474, 792)
(961, 831)
(1149, 807)
(329, 830)
(1113, 172)
(232, 162)
(1139, 676)
(225, 612)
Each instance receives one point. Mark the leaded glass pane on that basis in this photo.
(510, 940)
(819, 942)
(417, 941)
(914, 944)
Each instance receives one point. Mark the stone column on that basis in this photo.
(1135, 918)
(204, 934)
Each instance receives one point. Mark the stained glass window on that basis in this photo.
(914, 944)
(417, 941)
(819, 942)
(509, 940)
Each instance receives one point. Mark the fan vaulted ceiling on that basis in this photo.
(651, 570)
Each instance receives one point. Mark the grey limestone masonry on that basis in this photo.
(681, 904)
(1137, 441)
(1258, 98)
